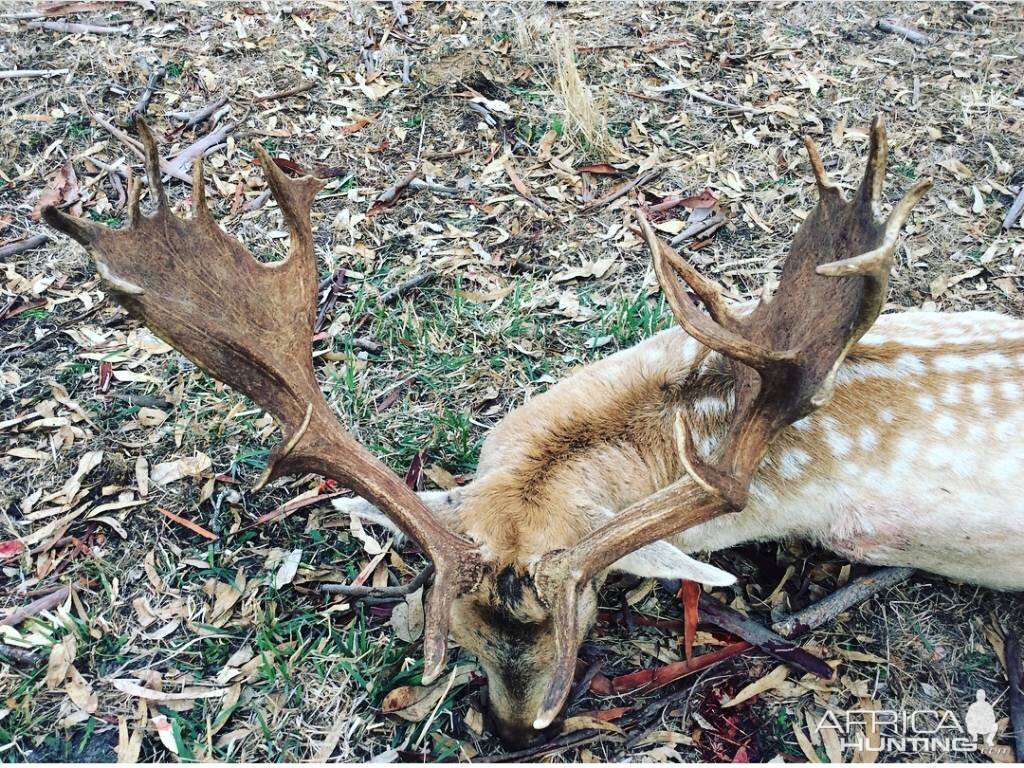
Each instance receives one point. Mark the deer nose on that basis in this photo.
(517, 735)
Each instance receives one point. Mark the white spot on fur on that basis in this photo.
(868, 438)
(980, 392)
(838, 442)
(976, 432)
(951, 394)
(803, 424)
(1005, 430)
(926, 402)
(1009, 389)
(791, 462)
(945, 424)
(886, 415)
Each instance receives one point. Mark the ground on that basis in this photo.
(127, 472)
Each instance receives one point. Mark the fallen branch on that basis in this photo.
(388, 197)
(699, 96)
(182, 162)
(25, 98)
(300, 88)
(1014, 674)
(392, 294)
(22, 657)
(622, 189)
(707, 226)
(79, 29)
(10, 74)
(357, 592)
(714, 612)
(1015, 210)
(658, 677)
(26, 244)
(906, 32)
(45, 603)
(857, 591)
(156, 74)
(199, 115)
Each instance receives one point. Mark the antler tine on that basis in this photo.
(134, 193)
(874, 172)
(825, 184)
(152, 161)
(703, 328)
(199, 207)
(705, 288)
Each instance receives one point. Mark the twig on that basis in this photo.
(295, 91)
(386, 198)
(20, 656)
(26, 244)
(439, 189)
(199, 115)
(256, 203)
(194, 527)
(622, 189)
(714, 612)
(906, 32)
(46, 603)
(841, 600)
(10, 74)
(401, 19)
(73, 28)
(1014, 674)
(25, 98)
(350, 590)
(156, 74)
(699, 228)
(1014, 213)
(182, 162)
(392, 294)
(699, 96)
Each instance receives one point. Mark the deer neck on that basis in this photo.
(604, 438)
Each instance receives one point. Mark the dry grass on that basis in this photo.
(503, 319)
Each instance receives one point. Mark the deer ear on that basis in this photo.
(660, 560)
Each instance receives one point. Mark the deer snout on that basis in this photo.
(519, 734)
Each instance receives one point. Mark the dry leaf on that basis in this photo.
(171, 471)
(407, 617)
(80, 692)
(416, 702)
(772, 680)
(165, 732)
(62, 656)
(288, 568)
(132, 688)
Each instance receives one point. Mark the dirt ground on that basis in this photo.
(169, 617)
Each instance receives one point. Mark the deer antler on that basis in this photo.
(784, 357)
(250, 325)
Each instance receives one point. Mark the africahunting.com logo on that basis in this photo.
(918, 730)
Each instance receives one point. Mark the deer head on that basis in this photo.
(249, 324)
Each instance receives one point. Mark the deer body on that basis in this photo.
(917, 461)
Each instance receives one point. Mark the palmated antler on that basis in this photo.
(250, 325)
(784, 357)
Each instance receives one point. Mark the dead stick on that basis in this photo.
(400, 290)
(301, 88)
(182, 161)
(906, 32)
(20, 656)
(73, 28)
(199, 115)
(25, 98)
(36, 606)
(1014, 213)
(156, 74)
(10, 74)
(1014, 673)
(23, 245)
(841, 600)
(733, 621)
(622, 189)
(350, 590)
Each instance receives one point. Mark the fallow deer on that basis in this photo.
(899, 445)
